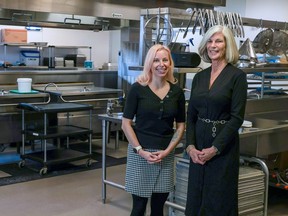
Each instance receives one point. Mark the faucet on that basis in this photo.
(110, 108)
(50, 84)
(85, 89)
(3, 92)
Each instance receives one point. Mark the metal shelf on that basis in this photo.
(41, 46)
(265, 81)
(59, 155)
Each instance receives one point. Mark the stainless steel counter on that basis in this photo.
(269, 134)
(101, 78)
(274, 68)
(10, 115)
(261, 142)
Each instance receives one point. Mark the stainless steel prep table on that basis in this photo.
(106, 121)
(57, 155)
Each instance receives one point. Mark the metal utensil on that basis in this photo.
(263, 41)
(189, 23)
(279, 44)
(195, 24)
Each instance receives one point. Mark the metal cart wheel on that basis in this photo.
(21, 164)
(88, 162)
(43, 171)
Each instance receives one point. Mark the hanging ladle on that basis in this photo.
(192, 14)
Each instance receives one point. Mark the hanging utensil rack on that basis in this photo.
(198, 18)
(156, 24)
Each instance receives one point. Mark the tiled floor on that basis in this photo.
(80, 194)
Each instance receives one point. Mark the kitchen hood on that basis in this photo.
(86, 14)
(65, 21)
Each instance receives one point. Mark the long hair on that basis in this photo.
(232, 54)
(146, 76)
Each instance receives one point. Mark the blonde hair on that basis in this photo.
(146, 76)
(231, 55)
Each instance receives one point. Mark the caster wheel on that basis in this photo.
(43, 171)
(21, 164)
(88, 163)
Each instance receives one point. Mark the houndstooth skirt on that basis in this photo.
(143, 179)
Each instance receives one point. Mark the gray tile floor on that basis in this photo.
(80, 194)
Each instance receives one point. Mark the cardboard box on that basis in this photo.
(14, 35)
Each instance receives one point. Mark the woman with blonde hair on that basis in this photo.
(146, 77)
(157, 104)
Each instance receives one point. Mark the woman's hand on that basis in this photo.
(152, 157)
(208, 153)
(196, 156)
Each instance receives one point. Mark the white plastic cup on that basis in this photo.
(24, 85)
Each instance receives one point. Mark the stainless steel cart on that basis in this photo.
(55, 131)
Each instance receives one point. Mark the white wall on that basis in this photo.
(259, 9)
(236, 6)
(267, 9)
(115, 45)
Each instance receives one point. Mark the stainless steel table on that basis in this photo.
(106, 121)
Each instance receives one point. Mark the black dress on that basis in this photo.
(213, 187)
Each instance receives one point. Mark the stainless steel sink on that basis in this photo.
(9, 101)
(279, 116)
(86, 93)
(263, 122)
(82, 91)
(271, 135)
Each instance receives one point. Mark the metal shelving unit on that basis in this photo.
(52, 52)
(267, 78)
(34, 46)
(44, 50)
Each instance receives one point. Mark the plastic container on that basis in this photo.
(88, 65)
(24, 85)
(30, 58)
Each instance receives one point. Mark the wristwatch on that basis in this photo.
(137, 149)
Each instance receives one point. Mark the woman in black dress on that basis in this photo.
(215, 114)
(158, 104)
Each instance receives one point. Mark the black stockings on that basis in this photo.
(139, 205)
(157, 204)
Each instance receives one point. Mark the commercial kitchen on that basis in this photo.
(66, 68)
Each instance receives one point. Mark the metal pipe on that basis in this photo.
(87, 100)
(266, 172)
(175, 206)
(16, 104)
(50, 84)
